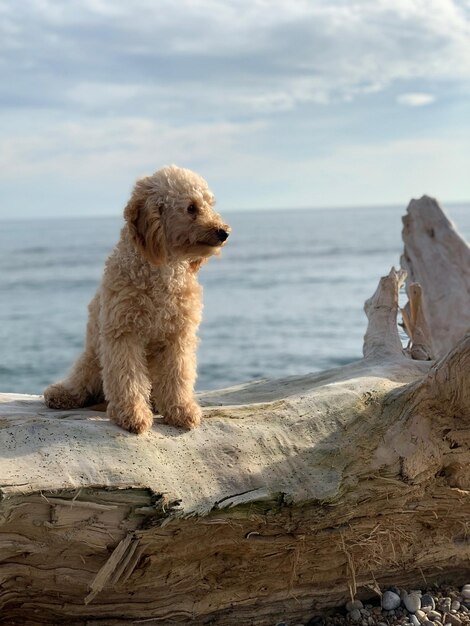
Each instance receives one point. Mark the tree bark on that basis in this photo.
(293, 495)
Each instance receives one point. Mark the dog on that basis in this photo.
(140, 350)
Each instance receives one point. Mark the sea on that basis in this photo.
(285, 297)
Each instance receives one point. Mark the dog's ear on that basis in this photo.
(144, 224)
(132, 213)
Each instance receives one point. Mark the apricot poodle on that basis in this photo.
(140, 351)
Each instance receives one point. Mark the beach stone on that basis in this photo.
(414, 620)
(354, 604)
(412, 601)
(355, 615)
(428, 601)
(428, 623)
(421, 615)
(453, 619)
(465, 592)
(464, 609)
(390, 601)
(434, 615)
(446, 602)
(381, 624)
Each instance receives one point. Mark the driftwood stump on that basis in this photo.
(293, 496)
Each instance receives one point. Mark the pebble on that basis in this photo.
(354, 604)
(453, 619)
(428, 601)
(421, 615)
(355, 615)
(390, 601)
(414, 620)
(466, 592)
(412, 601)
(434, 615)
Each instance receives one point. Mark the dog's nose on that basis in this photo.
(222, 234)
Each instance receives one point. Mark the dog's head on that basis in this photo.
(170, 216)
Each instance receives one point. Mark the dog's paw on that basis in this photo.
(58, 397)
(134, 419)
(184, 416)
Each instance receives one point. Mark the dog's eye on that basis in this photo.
(192, 209)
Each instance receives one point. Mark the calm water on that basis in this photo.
(286, 296)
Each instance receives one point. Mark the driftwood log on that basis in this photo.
(293, 496)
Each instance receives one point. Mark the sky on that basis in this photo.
(277, 103)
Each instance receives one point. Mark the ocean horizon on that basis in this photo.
(285, 297)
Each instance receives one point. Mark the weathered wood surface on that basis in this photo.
(292, 495)
(437, 257)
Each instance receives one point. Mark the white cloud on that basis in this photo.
(112, 154)
(113, 148)
(354, 174)
(271, 56)
(283, 97)
(415, 99)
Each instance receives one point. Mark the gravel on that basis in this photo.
(435, 606)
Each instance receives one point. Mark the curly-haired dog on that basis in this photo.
(141, 339)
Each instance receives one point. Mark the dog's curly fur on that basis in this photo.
(140, 351)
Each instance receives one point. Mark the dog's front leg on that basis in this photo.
(126, 383)
(173, 373)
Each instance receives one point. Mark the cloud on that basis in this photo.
(245, 90)
(224, 57)
(415, 99)
(392, 173)
(109, 149)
